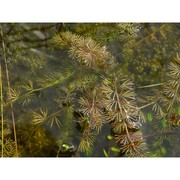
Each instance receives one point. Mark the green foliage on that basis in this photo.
(86, 143)
(6, 142)
(114, 149)
(179, 110)
(149, 117)
(164, 123)
(40, 118)
(165, 100)
(68, 84)
(105, 153)
(110, 137)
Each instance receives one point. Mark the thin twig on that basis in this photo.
(152, 85)
(150, 35)
(109, 148)
(160, 134)
(146, 105)
(129, 138)
(174, 98)
(9, 91)
(2, 121)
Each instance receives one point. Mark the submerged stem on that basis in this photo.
(2, 121)
(151, 85)
(150, 35)
(146, 105)
(126, 128)
(9, 91)
(174, 98)
(58, 82)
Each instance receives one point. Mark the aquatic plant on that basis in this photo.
(164, 101)
(114, 103)
(85, 50)
(68, 82)
(122, 111)
(166, 98)
(9, 90)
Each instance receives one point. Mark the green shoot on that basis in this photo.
(149, 117)
(114, 149)
(105, 153)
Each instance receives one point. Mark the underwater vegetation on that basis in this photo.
(89, 90)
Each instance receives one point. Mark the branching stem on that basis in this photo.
(150, 35)
(119, 106)
(57, 82)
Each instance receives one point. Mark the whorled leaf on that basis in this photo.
(85, 50)
(86, 143)
(174, 68)
(28, 86)
(9, 148)
(39, 118)
(14, 94)
(54, 120)
(118, 127)
(124, 139)
(135, 149)
(91, 107)
(26, 99)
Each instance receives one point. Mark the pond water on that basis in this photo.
(90, 90)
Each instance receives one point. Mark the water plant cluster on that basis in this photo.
(104, 89)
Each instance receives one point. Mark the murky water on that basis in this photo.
(45, 92)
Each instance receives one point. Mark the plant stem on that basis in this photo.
(174, 98)
(109, 148)
(57, 82)
(152, 85)
(9, 91)
(126, 129)
(160, 134)
(146, 105)
(2, 121)
(150, 35)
